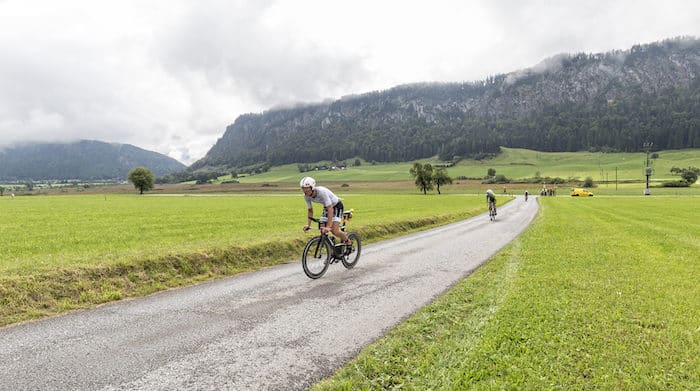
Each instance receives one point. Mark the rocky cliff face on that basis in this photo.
(584, 81)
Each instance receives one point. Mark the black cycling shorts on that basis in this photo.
(337, 213)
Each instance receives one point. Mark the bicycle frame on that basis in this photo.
(325, 237)
(492, 210)
(321, 251)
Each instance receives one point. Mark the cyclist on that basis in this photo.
(527, 193)
(491, 199)
(332, 206)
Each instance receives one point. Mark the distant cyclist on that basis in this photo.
(491, 200)
(527, 193)
(332, 206)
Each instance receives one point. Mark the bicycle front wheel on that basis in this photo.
(316, 257)
(352, 255)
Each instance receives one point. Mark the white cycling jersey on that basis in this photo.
(324, 197)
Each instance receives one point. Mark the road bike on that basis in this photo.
(492, 211)
(322, 250)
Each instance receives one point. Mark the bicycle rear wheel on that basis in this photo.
(316, 257)
(351, 257)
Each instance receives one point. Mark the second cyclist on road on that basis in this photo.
(491, 199)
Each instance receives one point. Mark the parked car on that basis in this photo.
(578, 192)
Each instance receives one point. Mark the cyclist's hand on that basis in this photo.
(326, 230)
(306, 228)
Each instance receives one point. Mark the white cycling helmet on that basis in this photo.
(489, 191)
(307, 181)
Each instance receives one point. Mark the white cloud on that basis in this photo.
(171, 75)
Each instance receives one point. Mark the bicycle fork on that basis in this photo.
(317, 251)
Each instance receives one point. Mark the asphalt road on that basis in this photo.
(270, 330)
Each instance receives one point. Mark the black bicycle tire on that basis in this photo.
(357, 242)
(312, 242)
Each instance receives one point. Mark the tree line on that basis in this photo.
(669, 119)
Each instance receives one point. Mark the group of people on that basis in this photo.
(333, 206)
(548, 192)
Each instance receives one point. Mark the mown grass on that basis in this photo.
(65, 252)
(600, 293)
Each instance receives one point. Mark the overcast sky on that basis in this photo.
(170, 75)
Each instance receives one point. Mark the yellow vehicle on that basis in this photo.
(577, 192)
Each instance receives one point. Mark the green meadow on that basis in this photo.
(512, 162)
(600, 293)
(64, 252)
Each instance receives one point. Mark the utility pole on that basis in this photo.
(647, 146)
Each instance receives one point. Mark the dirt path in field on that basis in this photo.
(269, 330)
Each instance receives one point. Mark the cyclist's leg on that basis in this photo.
(337, 217)
(338, 233)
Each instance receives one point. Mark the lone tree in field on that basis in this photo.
(441, 178)
(423, 173)
(142, 179)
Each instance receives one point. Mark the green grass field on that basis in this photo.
(523, 163)
(600, 293)
(46, 232)
(65, 252)
(513, 163)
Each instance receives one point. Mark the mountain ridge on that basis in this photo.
(80, 160)
(566, 102)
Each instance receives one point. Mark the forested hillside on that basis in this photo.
(608, 101)
(83, 160)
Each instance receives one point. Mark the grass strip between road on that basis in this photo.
(31, 296)
(597, 294)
